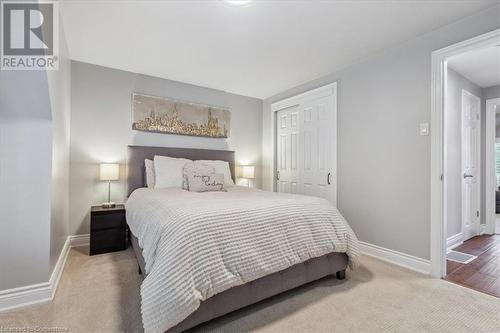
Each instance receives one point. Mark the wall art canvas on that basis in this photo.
(164, 115)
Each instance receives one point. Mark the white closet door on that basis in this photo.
(306, 133)
(317, 162)
(288, 175)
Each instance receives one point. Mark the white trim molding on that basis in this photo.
(45, 291)
(24, 296)
(490, 179)
(454, 241)
(79, 240)
(327, 90)
(397, 258)
(438, 195)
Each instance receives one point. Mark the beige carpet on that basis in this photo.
(101, 294)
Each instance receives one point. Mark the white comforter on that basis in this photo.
(197, 245)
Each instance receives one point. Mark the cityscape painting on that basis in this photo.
(164, 115)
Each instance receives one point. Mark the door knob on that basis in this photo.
(467, 176)
(328, 178)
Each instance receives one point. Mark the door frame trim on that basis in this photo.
(323, 91)
(477, 191)
(490, 177)
(438, 195)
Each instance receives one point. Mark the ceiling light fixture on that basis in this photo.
(238, 2)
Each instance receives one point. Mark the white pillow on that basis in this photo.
(150, 173)
(220, 167)
(168, 171)
(196, 168)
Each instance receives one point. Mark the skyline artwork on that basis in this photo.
(169, 116)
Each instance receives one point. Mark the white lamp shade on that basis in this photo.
(109, 171)
(248, 171)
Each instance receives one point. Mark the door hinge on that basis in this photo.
(441, 177)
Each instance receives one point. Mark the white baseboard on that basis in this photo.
(454, 241)
(79, 240)
(397, 258)
(59, 268)
(45, 291)
(23, 296)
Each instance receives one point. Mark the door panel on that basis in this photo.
(287, 151)
(293, 150)
(307, 149)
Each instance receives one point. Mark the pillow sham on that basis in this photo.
(168, 171)
(199, 182)
(197, 168)
(220, 167)
(150, 173)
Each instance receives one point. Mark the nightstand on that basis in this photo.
(108, 229)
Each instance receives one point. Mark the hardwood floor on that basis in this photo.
(483, 273)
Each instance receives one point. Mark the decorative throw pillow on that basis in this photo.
(197, 168)
(220, 167)
(205, 183)
(168, 171)
(150, 173)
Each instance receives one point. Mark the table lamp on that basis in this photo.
(247, 172)
(109, 172)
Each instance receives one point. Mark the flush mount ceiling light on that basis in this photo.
(238, 2)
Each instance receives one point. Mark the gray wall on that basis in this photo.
(497, 127)
(101, 130)
(453, 158)
(383, 162)
(25, 178)
(34, 143)
(491, 92)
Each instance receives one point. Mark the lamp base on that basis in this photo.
(108, 205)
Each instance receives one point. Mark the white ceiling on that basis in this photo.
(256, 50)
(481, 67)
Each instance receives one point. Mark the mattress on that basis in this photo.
(197, 245)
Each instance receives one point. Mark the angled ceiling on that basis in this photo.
(257, 50)
(481, 67)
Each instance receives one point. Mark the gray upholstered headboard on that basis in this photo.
(137, 154)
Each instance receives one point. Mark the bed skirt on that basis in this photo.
(260, 289)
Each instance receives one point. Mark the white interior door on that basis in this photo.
(471, 150)
(306, 146)
(288, 175)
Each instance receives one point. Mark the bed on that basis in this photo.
(225, 250)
